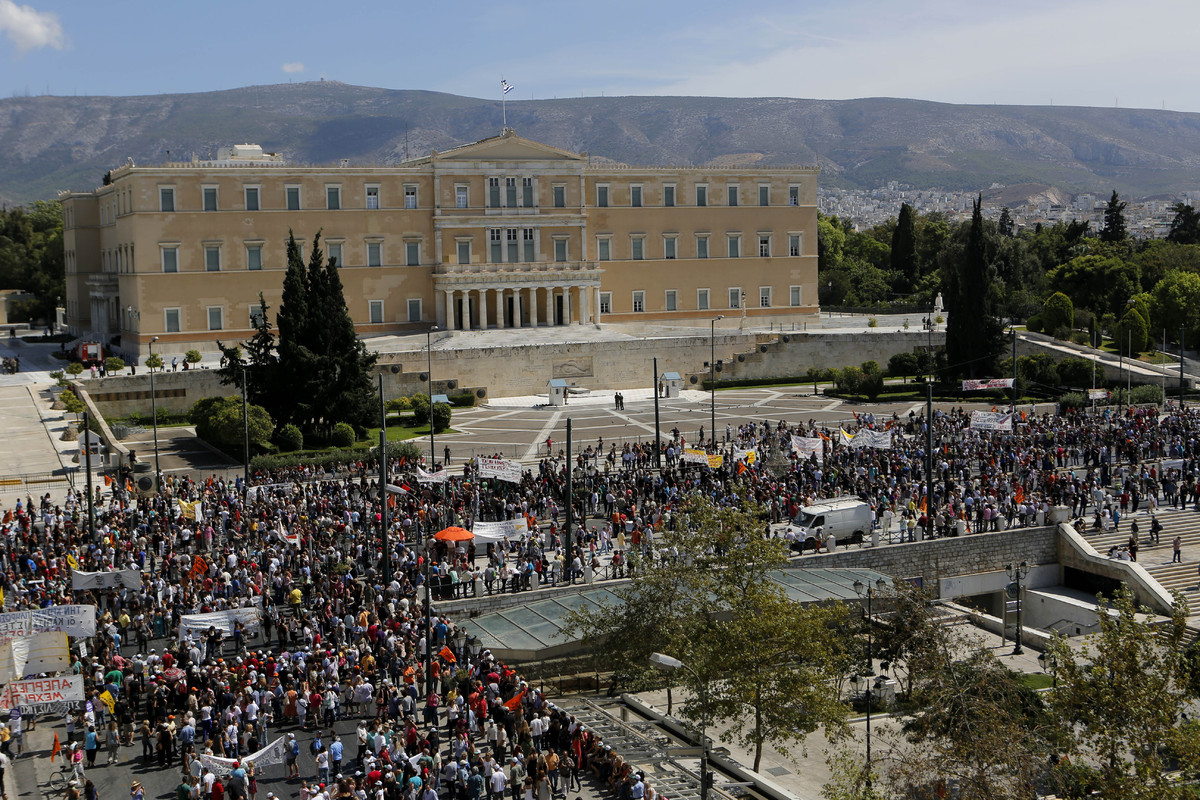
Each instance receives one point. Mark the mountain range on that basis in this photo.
(51, 143)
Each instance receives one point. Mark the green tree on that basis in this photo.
(192, 356)
(973, 332)
(1006, 225)
(1114, 231)
(154, 362)
(1102, 284)
(1176, 302)
(904, 249)
(218, 420)
(440, 414)
(1132, 333)
(1185, 225)
(1058, 312)
(831, 242)
(31, 256)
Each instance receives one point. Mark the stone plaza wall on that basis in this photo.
(121, 395)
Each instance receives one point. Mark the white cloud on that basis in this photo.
(293, 67)
(28, 28)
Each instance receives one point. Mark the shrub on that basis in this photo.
(1062, 333)
(1145, 394)
(1058, 312)
(1034, 323)
(1131, 333)
(420, 407)
(871, 368)
(464, 400)
(1073, 400)
(343, 435)
(902, 364)
(849, 380)
(218, 420)
(114, 364)
(397, 404)
(154, 361)
(441, 417)
(872, 323)
(71, 401)
(1084, 319)
(872, 384)
(939, 319)
(192, 356)
(74, 368)
(290, 438)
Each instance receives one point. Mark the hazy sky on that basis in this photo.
(1065, 52)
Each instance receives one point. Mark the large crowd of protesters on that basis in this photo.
(346, 631)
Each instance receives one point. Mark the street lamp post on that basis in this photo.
(712, 372)
(666, 662)
(865, 590)
(154, 414)
(429, 375)
(1016, 573)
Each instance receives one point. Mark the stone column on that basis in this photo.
(533, 307)
(452, 310)
(585, 313)
(566, 305)
(596, 314)
(500, 293)
(441, 301)
(518, 308)
(483, 319)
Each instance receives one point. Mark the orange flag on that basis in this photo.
(741, 467)
(8, 517)
(54, 751)
(128, 485)
(515, 703)
(108, 480)
(924, 504)
(446, 654)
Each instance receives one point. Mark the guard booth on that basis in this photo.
(558, 392)
(670, 384)
(439, 398)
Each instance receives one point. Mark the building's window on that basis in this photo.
(669, 195)
(495, 245)
(764, 246)
(794, 244)
(560, 197)
(764, 296)
(635, 196)
(493, 192)
(606, 302)
(672, 300)
(510, 192)
(216, 318)
(374, 254)
(292, 194)
(639, 301)
(513, 242)
(254, 256)
(212, 258)
(735, 297)
(560, 250)
(603, 249)
(529, 239)
(414, 309)
(335, 253)
(701, 195)
(372, 197)
(702, 299)
(256, 315)
(701, 247)
(764, 195)
(171, 320)
(166, 198)
(412, 254)
(375, 308)
(734, 246)
(527, 192)
(793, 195)
(637, 250)
(464, 252)
(210, 198)
(461, 196)
(333, 198)
(670, 246)
(731, 193)
(602, 195)
(170, 259)
(252, 203)
(410, 196)
(796, 295)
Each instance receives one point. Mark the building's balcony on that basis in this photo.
(516, 267)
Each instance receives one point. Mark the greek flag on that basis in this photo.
(506, 86)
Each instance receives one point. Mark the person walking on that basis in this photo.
(1176, 550)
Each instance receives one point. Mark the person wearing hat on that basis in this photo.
(136, 792)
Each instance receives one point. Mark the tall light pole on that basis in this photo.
(712, 371)
(1016, 573)
(384, 522)
(865, 590)
(668, 663)
(154, 414)
(429, 375)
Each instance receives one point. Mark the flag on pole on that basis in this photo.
(446, 654)
(56, 749)
(506, 87)
(515, 703)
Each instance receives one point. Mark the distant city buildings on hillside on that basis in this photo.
(1148, 219)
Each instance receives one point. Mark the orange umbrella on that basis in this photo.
(453, 534)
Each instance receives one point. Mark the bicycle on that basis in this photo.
(62, 777)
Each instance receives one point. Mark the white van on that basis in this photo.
(846, 518)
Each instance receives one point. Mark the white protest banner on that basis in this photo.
(500, 468)
(990, 383)
(40, 695)
(1172, 463)
(1097, 394)
(693, 456)
(749, 456)
(267, 488)
(272, 754)
(804, 447)
(73, 620)
(499, 531)
(223, 621)
(880, 440)
(29, 655)
(991, 421)
(129, 578)
(437, 476)
(16, 624)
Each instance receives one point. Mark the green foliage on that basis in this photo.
(973, 332)
(114, 364)
(192, 356)
(1034, 323)
(1176, 302)
(1131, 334)
(324, 460)
(1101, 283)
(74, 368)
(71, 402)
(219, 421)
(343, 435)
(463, 400)
(849, 380)
(1076, 400)
(441, 417)
(1185, 226)
(902, 364)
(872, 323)
(154, 361)
(904, 261)
(31, 256)
(872, 385)
(1079, 371)
(1114, 230)
(290, 438)
(1146, 394)
(1058, 312)
(397, 404)
(420, 408)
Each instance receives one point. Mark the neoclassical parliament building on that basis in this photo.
(504, 233)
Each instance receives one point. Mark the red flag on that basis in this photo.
(8, 517)
(54, 751)
(741, 467)
(924, 504)
(108, 480)
(446, 654)
(515, 703)
(1022, 416)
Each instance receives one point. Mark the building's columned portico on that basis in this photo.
(470, 298)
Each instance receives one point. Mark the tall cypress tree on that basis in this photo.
(295, 359)
(1114, 220)
(972, 331)
(904, 249)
